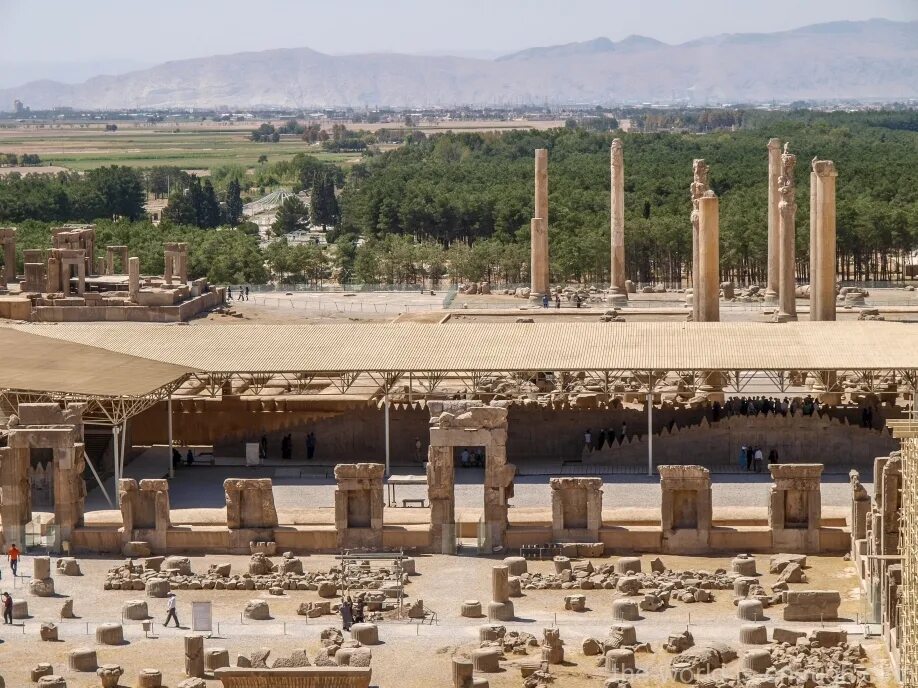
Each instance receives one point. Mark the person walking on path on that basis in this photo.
(170, 610)
(12, 555)
(7, 608)
(347, 613)
(310, 446)
(358, 609)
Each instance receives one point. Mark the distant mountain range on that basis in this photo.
(870, 60)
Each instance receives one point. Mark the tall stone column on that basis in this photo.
(133, 278)
(787, 308)
(822, 263)
(814, 297)
(617, 291)
(707, 296)
(774, 238)
(538, 257)
(539, 271)
(697, 189)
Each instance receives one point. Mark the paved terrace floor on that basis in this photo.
(201, 487)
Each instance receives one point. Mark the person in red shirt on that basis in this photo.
(12, 554)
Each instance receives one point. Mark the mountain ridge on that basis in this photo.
(875, 59)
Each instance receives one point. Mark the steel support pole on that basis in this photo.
(387, 428)
(169, 422)
(116, 445)
(650, 434)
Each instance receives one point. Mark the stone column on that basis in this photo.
(539, 284)
(194, 656)
(707, 295)
(8, 239)
(168, 267)
(814, 297)
(822, 263)
(787, 309)
(539, 270)
(617, 292)
(774, 237)
(134, 278)
(698, 188)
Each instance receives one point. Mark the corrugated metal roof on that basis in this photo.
(481, 347)
(43, 364)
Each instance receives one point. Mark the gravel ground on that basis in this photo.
(411, 656)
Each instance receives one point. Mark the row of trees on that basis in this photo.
(465, 188)
(198, 205)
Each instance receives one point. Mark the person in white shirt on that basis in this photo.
(758, 459)
(465, 458)
(588, 440)
(170, 610)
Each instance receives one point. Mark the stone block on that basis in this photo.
(257, 610)
(192, 683)
(194, 657)
(41, 587)
(158, 587)
(778, 562)
(109, 674)
(41, 567)
(150, 678)
(68, 566)
(471, 609)
(500, 611)
(620, 661)
(750, 610)
(136, 549)
(811, 605)
(110, 634)
(575, 603)
(82, 659)
(48, 631)
(756, 661)
(490, 633)
(626, 565)
(829, 637)
(20, 609)
(744, 565)
(52, 681)
(135, 610)
(216, 658)
(39, 670)
(180, 564)
(786, 635)
(753, 634)
(516, 565)
(67, 609)
(625, 610)
(486, 660)
(365, 633)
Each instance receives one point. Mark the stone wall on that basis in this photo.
(795, 507)
(359, 505)
(576, 509)
(145, 512)
(685, 508)
(353, 431)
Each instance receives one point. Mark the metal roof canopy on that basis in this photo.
(477, 348)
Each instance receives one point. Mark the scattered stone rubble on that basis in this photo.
(159, 575)
(509, 642)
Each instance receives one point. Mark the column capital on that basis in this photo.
(824, 168)
(774, 144)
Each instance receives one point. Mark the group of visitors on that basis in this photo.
(243, 294)
(605, 437)
(754, 406)
(352, 611)
(177, 458)
(751, 458)
(287, 446)
(470, 459)
(546, 301)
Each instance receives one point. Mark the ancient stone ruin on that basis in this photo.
(359, 505)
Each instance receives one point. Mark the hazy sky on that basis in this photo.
(133, 32)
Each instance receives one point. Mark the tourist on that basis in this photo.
(263, 447)
(310, 445)
(358, 609)
(715, 411)
(12, 555)
(600, 439)
(624, 431)
(7, 608)
(170, 610)
(229, 292)
(479, 457)
(757, 459)
(176, 458)
(189, 457)
(465, 459)
(417, 450)
(545, 301)
(772, 456)
(743, 452)
(576, 300)
(557, 300)
(347, 613)
(588, 440)
(247, 292)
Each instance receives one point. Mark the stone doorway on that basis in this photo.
(460, 425)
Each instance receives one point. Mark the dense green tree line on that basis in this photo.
(468, 187)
